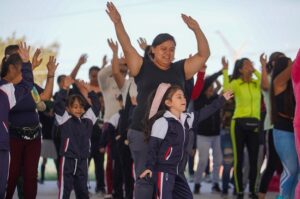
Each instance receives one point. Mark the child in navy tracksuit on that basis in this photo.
(76, 127)
(9, 95)
(169, 127)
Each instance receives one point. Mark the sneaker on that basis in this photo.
(253, 196)
(215, 188)
(197, 188)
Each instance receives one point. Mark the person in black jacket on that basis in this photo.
(76, 127)
(170, 127)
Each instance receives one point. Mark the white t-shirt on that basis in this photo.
(110, 92)
(130, 85)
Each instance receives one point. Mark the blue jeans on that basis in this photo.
(227, 152)
(284, 142)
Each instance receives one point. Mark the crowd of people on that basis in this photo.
(147, 117)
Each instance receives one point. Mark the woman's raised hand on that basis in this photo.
(113, 46)
(190, 22)
(24, 51)
(225, 63)
(113, 13)
(52, 66)
(263, 60)
(35, 59)
(142, 43)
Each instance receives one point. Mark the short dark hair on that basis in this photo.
(60, 78)
(96, 68)
(72, 98)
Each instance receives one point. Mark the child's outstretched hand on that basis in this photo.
(228, 95)
(145, 173)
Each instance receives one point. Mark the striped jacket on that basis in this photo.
(170, 136)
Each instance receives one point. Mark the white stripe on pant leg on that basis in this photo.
(161, 184)
(61, 183)
(284, 176)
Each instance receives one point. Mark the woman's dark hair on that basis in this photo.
(237, 67)
(161, 110)
(96, 68)
(72, 98)
(289, 101)
(159, 39)
(11, 49)
(273, 58)
(8, 60)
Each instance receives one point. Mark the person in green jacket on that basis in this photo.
(245, 121)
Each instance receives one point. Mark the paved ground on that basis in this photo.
(49, 191)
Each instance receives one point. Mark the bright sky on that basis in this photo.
(249, 26)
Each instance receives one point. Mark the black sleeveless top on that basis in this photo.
(147, 81)
(283, 120)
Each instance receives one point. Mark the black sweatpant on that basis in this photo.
(273, 163)
(241, 138)
(73, 174)
(126, 164)
(122, 171)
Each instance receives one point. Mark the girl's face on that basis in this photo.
(247, 68)
(164, 53)
(177, 102)
(76, 109)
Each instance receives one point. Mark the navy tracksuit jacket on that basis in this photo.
(75, 146)
(9, 95)
(167, 148)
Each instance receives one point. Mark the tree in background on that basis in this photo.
(40, 73)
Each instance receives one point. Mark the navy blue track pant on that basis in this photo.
(4, 166)
(73, 174)
(169, 186)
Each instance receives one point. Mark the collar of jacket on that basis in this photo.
(182, 119)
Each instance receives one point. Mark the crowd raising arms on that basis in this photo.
(161, 55)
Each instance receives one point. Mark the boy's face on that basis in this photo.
(76, 109)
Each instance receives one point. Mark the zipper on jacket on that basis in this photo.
(251, 97)
(182, 148)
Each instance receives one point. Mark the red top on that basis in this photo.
(198, 86)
